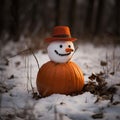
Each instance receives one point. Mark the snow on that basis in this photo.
(16, 98)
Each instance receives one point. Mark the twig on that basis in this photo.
(21, 52)
(31, 79)
(118, 66)
(75, 50)
(27, 62)
(73, 53)
(35, 58)
(107, 63)
(114, 60)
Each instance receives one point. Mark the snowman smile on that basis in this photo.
(62, 54)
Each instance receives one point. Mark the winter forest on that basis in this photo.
(86, 18)
(46, 74)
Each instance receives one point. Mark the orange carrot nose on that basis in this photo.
(69, 50)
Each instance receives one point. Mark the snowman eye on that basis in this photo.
(61, 46)
(69, 46)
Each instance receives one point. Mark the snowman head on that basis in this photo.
(60, 48)
(60, 51)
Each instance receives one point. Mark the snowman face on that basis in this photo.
(60, 51)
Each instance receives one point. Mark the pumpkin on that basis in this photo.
(62, 78)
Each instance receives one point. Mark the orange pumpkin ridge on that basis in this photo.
(62, 78)
(81, 82)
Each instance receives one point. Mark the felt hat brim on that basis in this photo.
(52, 39)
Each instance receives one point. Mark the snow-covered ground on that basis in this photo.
(17, 102)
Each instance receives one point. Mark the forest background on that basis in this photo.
(89, 20)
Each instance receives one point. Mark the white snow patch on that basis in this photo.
(17, 101)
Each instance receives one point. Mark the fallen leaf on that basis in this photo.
(17, 63)
(116, 103)
(103, 63)
(11, 77)
(98, 115)
(92, 77)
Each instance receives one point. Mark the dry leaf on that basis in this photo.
(103, 63)
(98, 115)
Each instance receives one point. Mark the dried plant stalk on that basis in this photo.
(31, 79)
(35, 58)
(27, 67)
(29, 49)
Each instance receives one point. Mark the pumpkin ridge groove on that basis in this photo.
(64, 78)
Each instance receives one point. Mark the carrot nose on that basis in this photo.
(69, 50)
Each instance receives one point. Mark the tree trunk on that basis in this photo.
(1, 16)
(15, 20)
(99, 16)
(89, 14)
(57, 9)
(33, 18)
(117, 17)
(62, 12)
(72, 14)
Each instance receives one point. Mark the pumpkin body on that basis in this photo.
(63, 78)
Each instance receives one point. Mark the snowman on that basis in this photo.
(60, 74)
(60, 51)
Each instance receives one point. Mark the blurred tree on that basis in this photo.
(33, 15)
(5, 19)
(14, 26)
(89, 14)
(117, 17)
(57, 15)
(94, 16)
(36, 17)
(45, 16)
(1, 16)
(99, 16)
(72, 14)
(62, 13)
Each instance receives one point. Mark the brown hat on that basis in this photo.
(60, 33)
